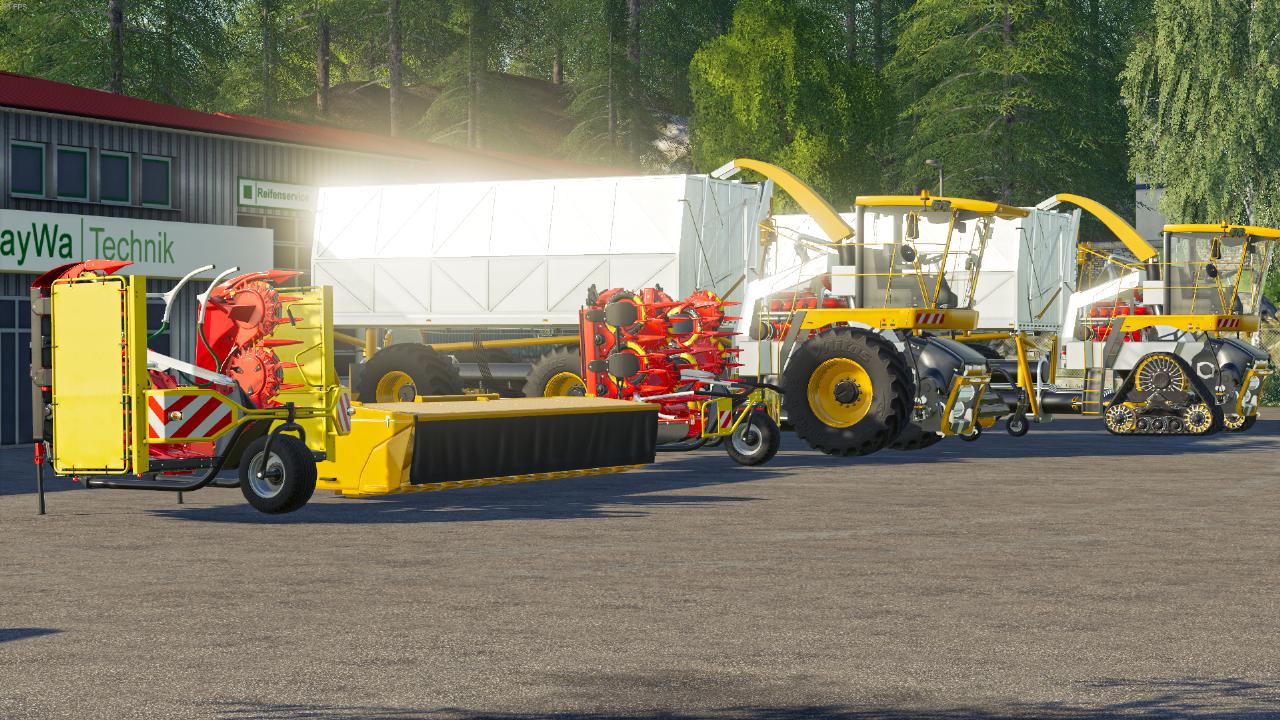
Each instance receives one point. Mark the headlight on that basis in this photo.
(1254, 382)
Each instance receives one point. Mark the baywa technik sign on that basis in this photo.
(35, 242)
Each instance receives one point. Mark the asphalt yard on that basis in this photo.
(1065, 574)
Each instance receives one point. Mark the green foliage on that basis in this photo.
(773, 89)
(174, 50)
(1203, 89)
(1014, 98)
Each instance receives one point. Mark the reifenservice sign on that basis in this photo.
(34, 242)
(268, 194)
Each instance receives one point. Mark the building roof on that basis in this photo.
(36, 94)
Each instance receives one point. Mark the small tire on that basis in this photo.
(1017, 425)
(286, 482)
(551, 375)
(973, 435)
(397, 373)
(756, 442)
(879, 420)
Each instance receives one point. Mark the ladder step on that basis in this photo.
(1094, 382)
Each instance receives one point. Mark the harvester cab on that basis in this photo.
(853, 325)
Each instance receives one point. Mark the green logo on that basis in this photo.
(247, 191)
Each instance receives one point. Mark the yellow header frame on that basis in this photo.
(891, 318)
(925, 201)
(1225, 229)
(1193, 323)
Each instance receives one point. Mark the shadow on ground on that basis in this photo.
(1183, 699)
(635, 493)
(11, 634)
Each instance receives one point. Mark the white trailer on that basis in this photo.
(524, 253)
(517, 255)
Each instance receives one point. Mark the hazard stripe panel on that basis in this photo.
(187, 416)
(344, 413)
(930, 318)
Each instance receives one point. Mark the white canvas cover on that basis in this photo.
(524, 252)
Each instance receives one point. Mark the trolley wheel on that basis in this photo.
(279, 484)
(848, 391)
(556, 374)
(1017, 425)
(973, 434)
(397, 373)
(754, 442)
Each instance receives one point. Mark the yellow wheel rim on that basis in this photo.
(564, 383)
(835, 380)
(1160, 372)
(1198, 418)
(1234, 422)
(390, 385)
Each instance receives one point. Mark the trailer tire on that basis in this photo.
(291, 475)
(398, 372)
(556, 374)
(848, 391)
(754, 443)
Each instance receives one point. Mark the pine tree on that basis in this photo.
(1010, 97)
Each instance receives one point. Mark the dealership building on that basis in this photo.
(88, 174)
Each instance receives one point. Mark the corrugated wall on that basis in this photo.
(205, 167)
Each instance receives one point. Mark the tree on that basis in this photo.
(1203, 91)
(1010, 97)
(779, 88)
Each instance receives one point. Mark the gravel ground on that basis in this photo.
(1067, 574)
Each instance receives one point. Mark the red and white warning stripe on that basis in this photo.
(1228, 323)
(186, 416)
(930, 318)
(343, 411)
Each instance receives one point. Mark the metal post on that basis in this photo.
(39, 459)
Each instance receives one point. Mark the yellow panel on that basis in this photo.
(806, 197)
(94, 375)
(313, 327)
(374, 458)
(1140, 248)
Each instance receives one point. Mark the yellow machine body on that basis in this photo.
(312, 329)
(99, 367)
(377, 456)
(105, 412)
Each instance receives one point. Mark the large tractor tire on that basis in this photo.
(556, 374)
(399, 372)
(848, 391)
(913, 437)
